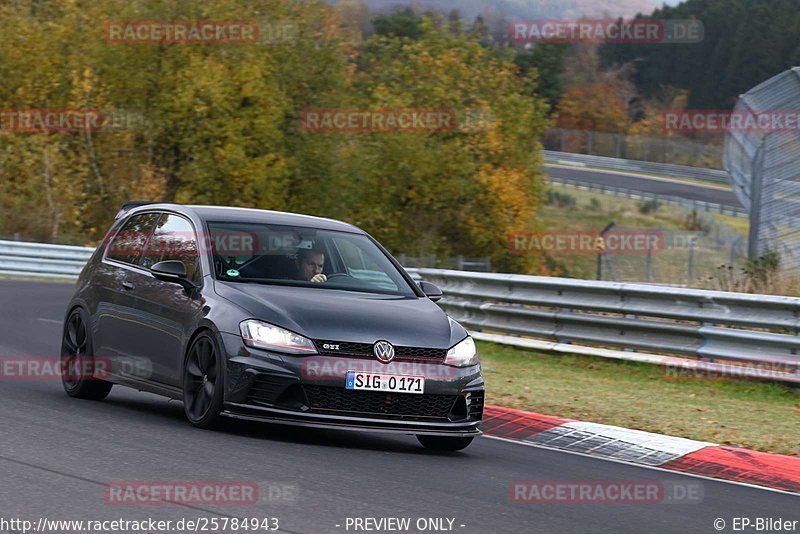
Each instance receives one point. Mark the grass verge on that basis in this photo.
(593, 211)
(755, 415)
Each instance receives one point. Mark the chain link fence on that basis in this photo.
(702, 258)
(765, 170)
(680, 151)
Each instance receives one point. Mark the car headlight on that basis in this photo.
(266, 336)
(462, 354)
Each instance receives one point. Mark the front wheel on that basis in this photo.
(203, 383)
(444, 443)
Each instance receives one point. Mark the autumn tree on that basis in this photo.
(220, 124)
(454, 192)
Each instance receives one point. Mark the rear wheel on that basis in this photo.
(444, 443)
(203, 383)
(78, 364)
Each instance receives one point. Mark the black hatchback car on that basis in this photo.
(269, 316)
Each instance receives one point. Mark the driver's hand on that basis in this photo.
(319, 278)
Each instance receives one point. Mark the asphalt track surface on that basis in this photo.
(58, 453)
(675, 188)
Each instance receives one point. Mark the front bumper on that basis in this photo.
(309, 391)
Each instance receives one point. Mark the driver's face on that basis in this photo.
(311, 265)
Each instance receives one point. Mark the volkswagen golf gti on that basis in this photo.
(269, 316)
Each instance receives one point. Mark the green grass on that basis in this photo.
(756, 415)
(740, 224)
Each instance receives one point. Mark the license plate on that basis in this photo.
(380, 382)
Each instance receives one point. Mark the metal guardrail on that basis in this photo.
(676, 150)
(42, 260)
(646, 167)
(698, 205)
(577, 316)
(712, 326)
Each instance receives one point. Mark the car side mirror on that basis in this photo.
(172, 271)
(430, 290)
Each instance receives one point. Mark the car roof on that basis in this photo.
(250, 215)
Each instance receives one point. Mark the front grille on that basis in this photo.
(364, 350)
(348, 349)
(335, 399)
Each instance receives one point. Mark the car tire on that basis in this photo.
(444, 443)
(203, 382)
(77, 360)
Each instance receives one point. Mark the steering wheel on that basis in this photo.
(338, 275)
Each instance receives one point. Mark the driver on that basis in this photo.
(310, 262)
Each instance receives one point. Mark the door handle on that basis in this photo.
(128, 286)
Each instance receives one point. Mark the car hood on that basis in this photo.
(351, 316)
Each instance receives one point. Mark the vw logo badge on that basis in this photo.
(384, 351)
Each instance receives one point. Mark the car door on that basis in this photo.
(115, 317)
(167, 312)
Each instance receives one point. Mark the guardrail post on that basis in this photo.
(755, 203)
(601, 254)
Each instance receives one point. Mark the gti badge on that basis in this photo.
(384, 351)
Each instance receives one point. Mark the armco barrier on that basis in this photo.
(615, 319)
(608, 319)
(42, 260)
(646, 167)
(697, 205)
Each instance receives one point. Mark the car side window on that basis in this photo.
(128, 244)
(173, 239)
(360, 266)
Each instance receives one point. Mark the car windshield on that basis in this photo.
(300, 256)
